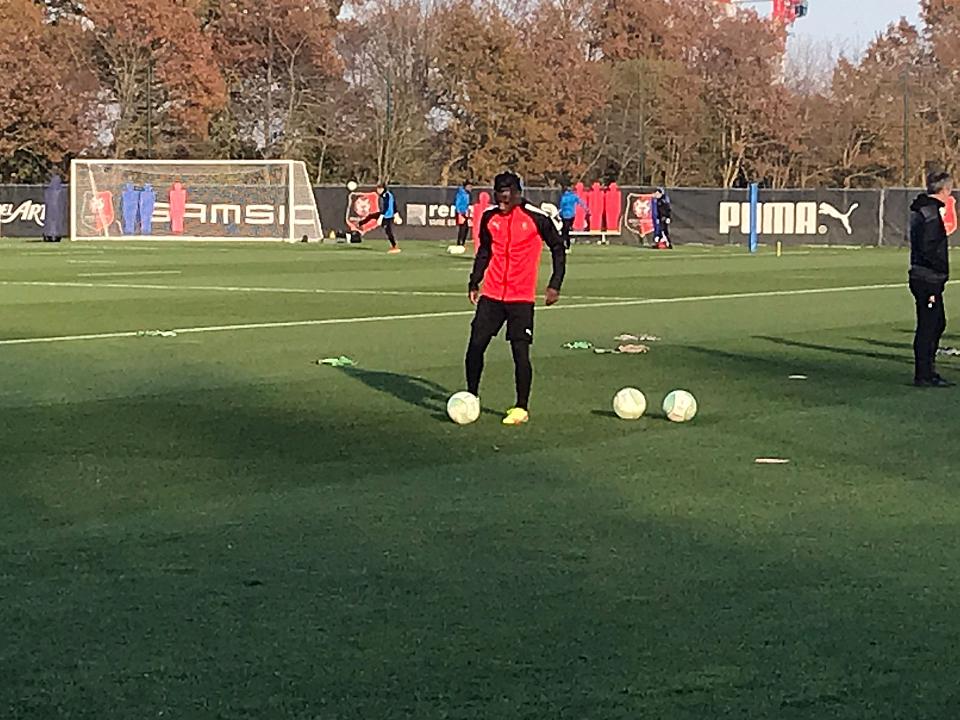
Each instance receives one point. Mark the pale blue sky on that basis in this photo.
(852, 24)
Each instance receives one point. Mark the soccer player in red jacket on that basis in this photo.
(503, 284)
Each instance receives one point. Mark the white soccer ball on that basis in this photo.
(629, 404)
(456, 249)
(351, 186)
(680, 406)
(463, 408)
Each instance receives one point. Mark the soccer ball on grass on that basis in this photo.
(463, 408)
(629, 404)
(680, 406)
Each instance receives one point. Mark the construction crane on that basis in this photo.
(785, 11)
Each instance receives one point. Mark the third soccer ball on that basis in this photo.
(680, 406)
(351, 186)
(463, 408)
(456, 249)
(629, 404)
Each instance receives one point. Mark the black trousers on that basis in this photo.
(388, 229)
(565, 227)
(463, 232)
(386, 223)
(489, 319)
(931, 322)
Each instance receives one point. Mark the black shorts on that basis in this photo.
(492, 314)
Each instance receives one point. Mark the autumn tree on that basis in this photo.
(277, 58)
(564, 89)
(515, 90)
(45, 97)
(749, 107)
(860, 135)
(387, 53)
(934, 79)
(482, 94)
(639, 91)
(160, 82)
(690, 101)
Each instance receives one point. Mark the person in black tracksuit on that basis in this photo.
(664, 216)
(929, 272)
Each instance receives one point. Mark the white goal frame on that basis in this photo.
(297, 215)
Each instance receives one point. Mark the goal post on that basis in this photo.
(195, 200)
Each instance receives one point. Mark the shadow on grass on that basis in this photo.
(416, 391)
(656, 416)
(850, 352)
(907, 347)
(609, 414)
(841, 368)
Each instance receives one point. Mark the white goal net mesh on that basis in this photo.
(192, 200)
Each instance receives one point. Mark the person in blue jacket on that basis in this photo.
(568, 212)
(386, 212)
(462, 207)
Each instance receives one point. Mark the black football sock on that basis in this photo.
(523, 372)
(474, 363)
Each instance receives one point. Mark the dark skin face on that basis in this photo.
(508, 199)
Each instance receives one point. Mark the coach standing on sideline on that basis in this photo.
(929, 272)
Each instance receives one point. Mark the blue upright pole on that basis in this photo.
(754, 216)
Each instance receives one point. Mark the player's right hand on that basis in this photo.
(474, 296)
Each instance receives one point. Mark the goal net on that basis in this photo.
(192, 200)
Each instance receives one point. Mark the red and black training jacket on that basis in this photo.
(508, 259)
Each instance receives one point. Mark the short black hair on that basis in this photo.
(937, 182)
(507, 180)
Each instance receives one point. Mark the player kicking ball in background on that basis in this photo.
(386, 213)
(503, 284)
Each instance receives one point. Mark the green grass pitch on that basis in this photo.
(213, 526)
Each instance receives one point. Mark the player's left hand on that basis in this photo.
(552, 296)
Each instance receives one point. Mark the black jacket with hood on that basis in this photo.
(929, 256)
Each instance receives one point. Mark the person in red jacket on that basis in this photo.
(503, 284)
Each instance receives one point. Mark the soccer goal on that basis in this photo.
(192, 200)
